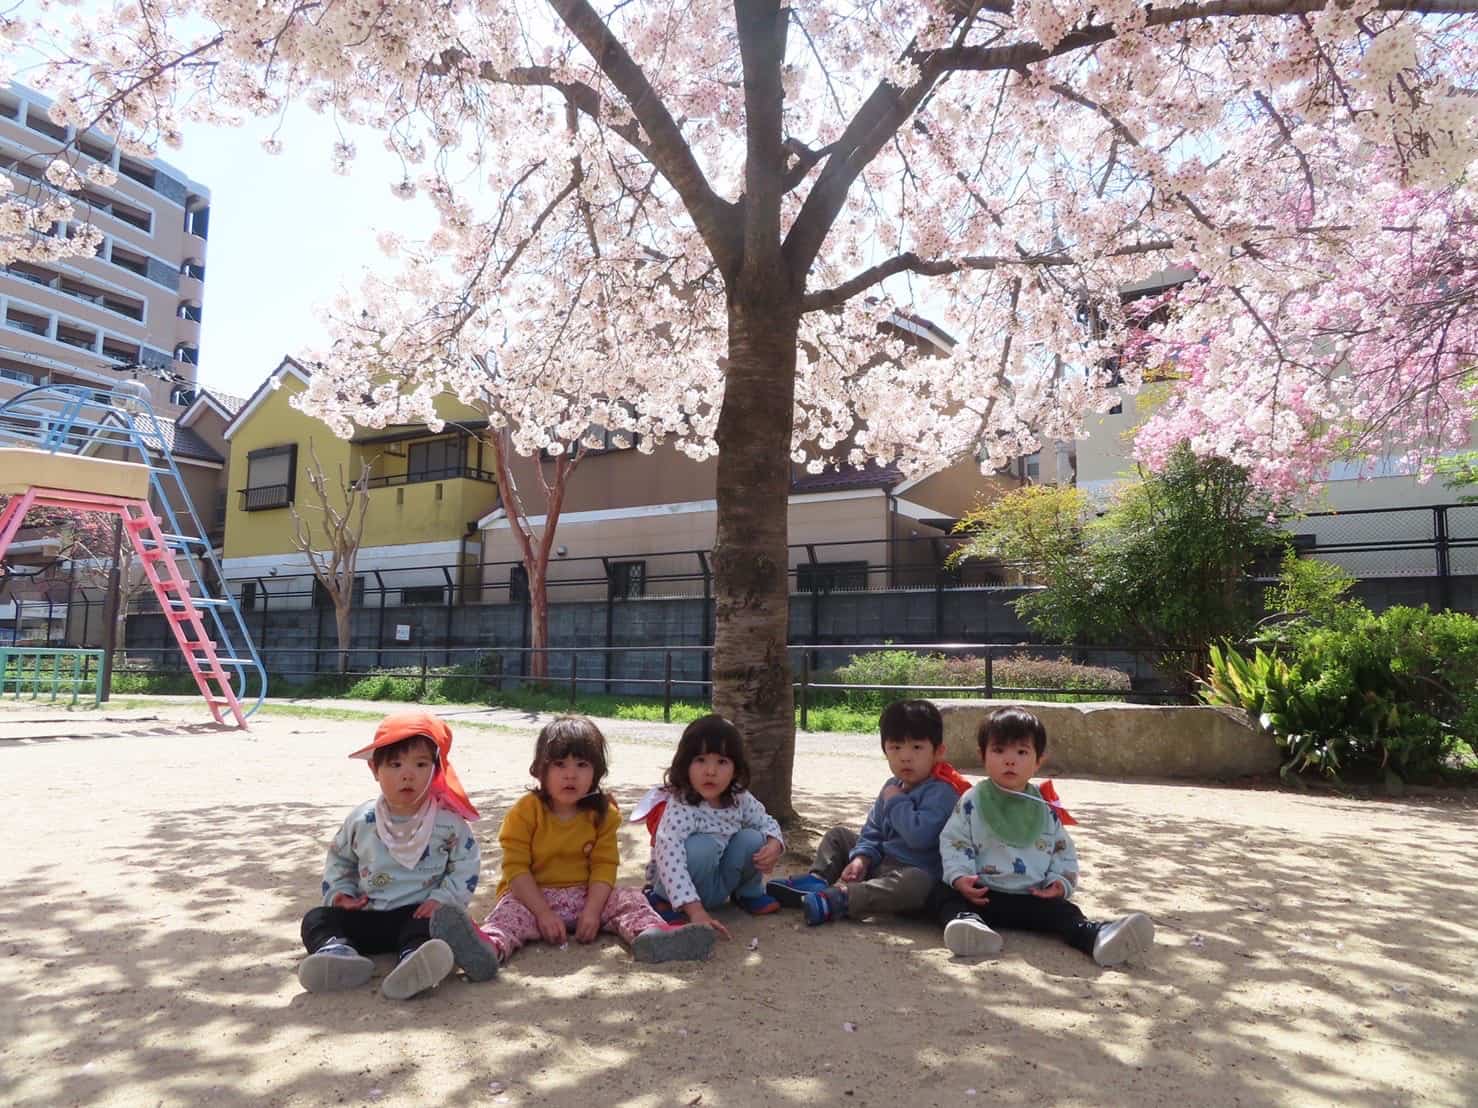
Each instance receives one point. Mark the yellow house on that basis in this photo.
(426, 493)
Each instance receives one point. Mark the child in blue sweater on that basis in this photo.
(893, 864)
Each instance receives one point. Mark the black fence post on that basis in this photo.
(705, 636)
(1444, 565)
(380, 627)
(610, 624)
(667, 687)
(574, 677)
(423, 676)
(990, 677)
(805, 683)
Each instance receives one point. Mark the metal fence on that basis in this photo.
(651, 671)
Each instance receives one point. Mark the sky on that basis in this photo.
(286, 233)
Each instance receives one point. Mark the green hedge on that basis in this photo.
(910, 670)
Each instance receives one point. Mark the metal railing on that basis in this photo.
(488, 671)
(36, 670)
(446, 473)
(261, 497)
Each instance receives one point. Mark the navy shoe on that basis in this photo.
(663, 907)
(790, 890)
(757, 905)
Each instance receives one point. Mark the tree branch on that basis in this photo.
(827, 299)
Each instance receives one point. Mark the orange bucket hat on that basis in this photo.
(446, 786)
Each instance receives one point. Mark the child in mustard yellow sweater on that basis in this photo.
(560, 857)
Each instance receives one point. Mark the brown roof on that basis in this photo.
(842, 478)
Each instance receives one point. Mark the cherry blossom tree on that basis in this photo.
(691, 219)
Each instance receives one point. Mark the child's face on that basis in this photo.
(910, 760)
(567, 780)
(710, 775)
(1011, 763)
(404, 778)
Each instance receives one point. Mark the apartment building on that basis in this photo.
(134, 309)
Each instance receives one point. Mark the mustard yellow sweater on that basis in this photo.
(559, 853)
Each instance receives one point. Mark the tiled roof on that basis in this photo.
(185, 443)
(232, 404)
(841, 478)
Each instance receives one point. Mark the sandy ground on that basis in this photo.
(1313, 949)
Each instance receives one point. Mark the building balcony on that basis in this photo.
(264, 497)
(193, 246)
(192, 288)
(449, 473)
(187, 331)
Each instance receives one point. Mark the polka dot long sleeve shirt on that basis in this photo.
(679, 820)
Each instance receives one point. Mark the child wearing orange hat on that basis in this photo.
(395, 861)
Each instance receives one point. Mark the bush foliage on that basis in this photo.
(906, 669)
(1344, 689)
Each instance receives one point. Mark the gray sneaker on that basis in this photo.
(690, 943)
(421, 969)
(969, 937)
(332, 967)
(1122, 939)
(475, 956)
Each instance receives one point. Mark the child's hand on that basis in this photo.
(891, 790)
(855, 870)
(766, 856)
(551, 929)
(697, 914)
(967, 888)
(1051, 892)
(352, 903)
(587, 927)
(425, 909)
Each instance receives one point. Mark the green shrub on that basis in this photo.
(909, 670)
(1396, 691)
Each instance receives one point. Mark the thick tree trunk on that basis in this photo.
(751, 668)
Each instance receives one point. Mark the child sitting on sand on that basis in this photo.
(559, 863)
(395, 861)
(1008, 859)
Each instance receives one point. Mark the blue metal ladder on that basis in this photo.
(66, 419)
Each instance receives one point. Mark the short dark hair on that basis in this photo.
(912, 719)
(708, 735)
(382, 754)
(1007, 724)
(573, 737)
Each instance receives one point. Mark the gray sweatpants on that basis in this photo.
(892, 887)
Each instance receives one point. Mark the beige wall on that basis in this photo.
(621, 479)
(642, 538)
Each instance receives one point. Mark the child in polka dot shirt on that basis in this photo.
(715, 841)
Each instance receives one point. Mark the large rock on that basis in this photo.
(1125, 740)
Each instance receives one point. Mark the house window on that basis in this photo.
(134, 263)
(433, 460)
(628, 580)
(271, 476)
(321, 598)
(424, 594)
(822, 577)
(248, 596)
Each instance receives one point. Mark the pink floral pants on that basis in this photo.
(509, 925)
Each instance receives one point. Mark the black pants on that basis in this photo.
(369, 932)
(1019, 912)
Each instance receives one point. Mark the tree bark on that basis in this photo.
(751, 667)
(342, 610)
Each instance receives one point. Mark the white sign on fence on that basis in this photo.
(402, 632)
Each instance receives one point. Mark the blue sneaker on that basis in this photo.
(790, 890)
(824, 907)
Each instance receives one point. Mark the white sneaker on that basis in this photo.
(1122, 939)
(967, 937)
(418, 971)
(332, 967)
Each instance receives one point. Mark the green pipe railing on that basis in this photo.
(38, 670)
